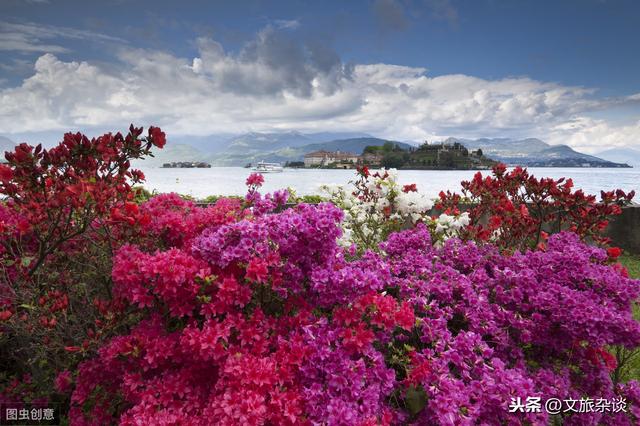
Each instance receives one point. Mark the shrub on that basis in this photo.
(379, 206)
(245, 312)
(267, 320)
(65, 210)
(516, 211)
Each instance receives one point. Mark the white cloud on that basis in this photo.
(277, 83)
(30, 37)
(289, 24)
(594, 135)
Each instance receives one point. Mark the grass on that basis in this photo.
(632, 263)
(629, 360)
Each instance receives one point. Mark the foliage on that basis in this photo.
(516, 211)
(66, 209)
(212, 199)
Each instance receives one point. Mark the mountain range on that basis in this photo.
(533, 152)
(252, 147)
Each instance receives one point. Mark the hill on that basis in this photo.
(268, 147)
(6, 144)
(169, 154)
(533, 152)
(622, 155)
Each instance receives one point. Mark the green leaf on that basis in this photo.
(26, 261)
(416, 399)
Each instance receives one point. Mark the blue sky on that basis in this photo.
(567, 71)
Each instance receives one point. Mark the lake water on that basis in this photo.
(200, 183)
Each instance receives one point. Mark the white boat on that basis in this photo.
(263, 167)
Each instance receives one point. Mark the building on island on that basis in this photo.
(338, 159)
(372, 159)
(186, 165)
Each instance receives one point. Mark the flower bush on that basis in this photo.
(64, 211)
(378, 206)
(515, 211)
(267, 320)
(364, 310)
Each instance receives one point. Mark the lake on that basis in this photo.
(200, 183)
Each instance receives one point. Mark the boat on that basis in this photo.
(263, 167)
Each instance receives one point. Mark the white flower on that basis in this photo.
(445, 219)
(464, 219)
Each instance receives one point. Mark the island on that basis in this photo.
(186, 165)
(438, 156)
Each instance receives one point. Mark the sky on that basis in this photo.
(565, 71)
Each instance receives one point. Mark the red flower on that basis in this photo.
(410, 188)
(495, 221)
(609, 360)
(5, 315)
(597, 355)
(131, 208)
(357, 338)
(257, 271)
(158, 137)
(5, 173)
(614, 252)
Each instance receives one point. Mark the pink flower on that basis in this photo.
(63, 381)
(255, 179)
(257, 270)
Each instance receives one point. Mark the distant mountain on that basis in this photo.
(332, 136)
(288, 148)
(169, 154)
(6, 144)
(207, 144)
(533, 153)
(266, 142)
(354, 145)
(622, 155)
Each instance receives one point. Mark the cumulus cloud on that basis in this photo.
(271, 64)
(594, 135)
(278, 83)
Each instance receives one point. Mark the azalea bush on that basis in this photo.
(268, 320)
(516, 211)
(364, 310)
(63, 212)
